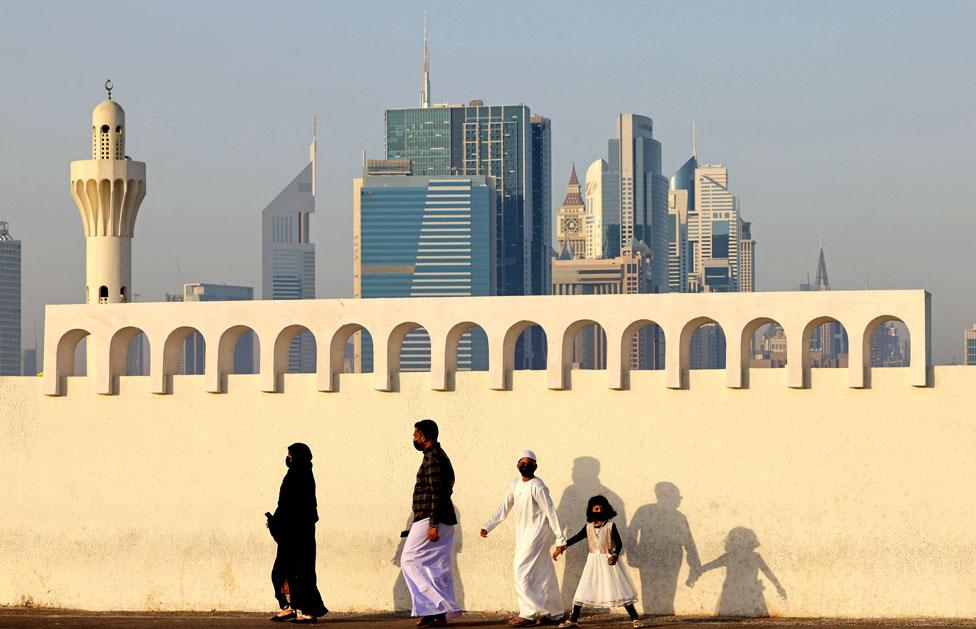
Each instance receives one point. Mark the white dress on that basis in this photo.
(603, 585)
(535, 517)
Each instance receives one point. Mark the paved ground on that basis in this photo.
(16, 617)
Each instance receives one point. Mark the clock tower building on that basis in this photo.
(571, 220)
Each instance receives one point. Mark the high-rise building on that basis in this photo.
(510, 145)
(29, 362)
(635, 161)
(108, 190)
(969, 346)
(424, 236)
(681, 201)
(602, 201)
(888, 348)
(623, 275)
(571, 219)
(288, 255)
(192, 360)
(747, 258)
(10, 304)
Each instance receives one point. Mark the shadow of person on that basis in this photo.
(661, 539)
(572, 517)
(402, 603)
(742, 591)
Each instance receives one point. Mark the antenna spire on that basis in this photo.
(313, 150)
(694, 143)
(425, 77)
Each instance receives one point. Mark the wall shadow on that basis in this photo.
(572, 516)
(402, 603)
(742, 592)
(661, 539)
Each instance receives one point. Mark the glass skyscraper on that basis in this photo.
(419, 236)
(10, 278)
(288, 256)
(510, 145)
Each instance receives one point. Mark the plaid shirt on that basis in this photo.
(435, 484)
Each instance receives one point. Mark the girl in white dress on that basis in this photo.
(604, 582)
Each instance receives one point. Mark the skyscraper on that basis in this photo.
(288, 255)
(571, 219)
(10, 304)
(602, 201)
(747, 258)
(828, 345)
(420, 236)
(635, 158)
(969, 346)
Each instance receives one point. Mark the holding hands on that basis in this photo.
(558, 551)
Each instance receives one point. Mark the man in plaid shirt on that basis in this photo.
(426, 558)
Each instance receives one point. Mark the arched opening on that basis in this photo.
(586, 346)
(415, 350)
(643, 346)
(889, 343)
(707, 347)
(128, 355)
(103, 294)
(352, 350)
(137, 356)
(239, 351)
(467, 348)
(302, 352)
(530, 348)
(105, 128)
(184, 352)
(764, 344)
(825, 342)
(72, 354)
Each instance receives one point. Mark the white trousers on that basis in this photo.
(426, 568)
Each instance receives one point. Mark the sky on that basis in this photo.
(851, 120)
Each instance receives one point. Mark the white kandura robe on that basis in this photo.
(535, 576)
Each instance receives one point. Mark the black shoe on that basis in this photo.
(284, 618)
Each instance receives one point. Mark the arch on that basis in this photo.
(463, 348)
(350, 351)
(642, 346)
(409, 348)
(184, 353)
(824, 344)
(887, 342)
(66, 359)
(293, 352)
(238, 351)
(518, 346)
(704, 340)
(764, 344)
(584, 346)
(123, 295)
(105, 128)
(121, 359)
(103, 294)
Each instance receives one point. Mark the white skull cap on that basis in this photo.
(527, 454)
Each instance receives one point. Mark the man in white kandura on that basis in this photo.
(535, 516)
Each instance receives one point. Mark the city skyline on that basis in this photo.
(199, 131)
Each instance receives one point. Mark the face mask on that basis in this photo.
(418, 445)
(527, 469)
(596, 516)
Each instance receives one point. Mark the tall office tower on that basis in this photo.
(421, 236)
(29, 362)
(192, 360)
(635, 158)
(969, 346)
(10, 278)
(747, 258)
(602, 201)
(681, 202)
(571, 220)
(502, 142)
(623, 275)
(288, 255)
(108, 190)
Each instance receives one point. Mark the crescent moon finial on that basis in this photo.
(108, 88)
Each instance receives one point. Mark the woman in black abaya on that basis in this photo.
(293, 527)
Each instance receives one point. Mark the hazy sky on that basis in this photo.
(854, 118)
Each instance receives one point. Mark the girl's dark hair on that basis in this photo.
(606, 512)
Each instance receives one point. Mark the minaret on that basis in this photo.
(108, 189)
(425, 77)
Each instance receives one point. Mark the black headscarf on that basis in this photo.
(606, 512)
(296, 499)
